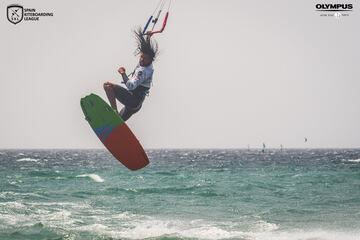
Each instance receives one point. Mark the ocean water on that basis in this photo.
(183, 194)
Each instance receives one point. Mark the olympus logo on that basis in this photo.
(334, 7)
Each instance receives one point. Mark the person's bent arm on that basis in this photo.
(122, 71)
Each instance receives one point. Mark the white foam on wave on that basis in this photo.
(13, 213)
(21, 215)
(62, 205)
(305, 235)
(12, 194)
(354, 160)
(93, 176)
(212, 233)
(97, 228)
(143, 227)
(125, 216)
(15, 182)
(154, 229)
(134, 226)
(12, 205)
(13, 219)
(147, 227)
(60, 216)
(27, 160)
(263, 226)
(53, 214)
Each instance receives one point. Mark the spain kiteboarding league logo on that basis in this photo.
(15, 13)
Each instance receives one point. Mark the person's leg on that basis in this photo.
(109, 89)
(132, 103)
(127, 112)
(126, 97)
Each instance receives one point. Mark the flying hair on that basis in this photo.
(145, 44)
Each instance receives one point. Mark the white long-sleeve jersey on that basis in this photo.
(142, 76)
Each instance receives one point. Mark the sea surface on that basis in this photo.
(308, 194)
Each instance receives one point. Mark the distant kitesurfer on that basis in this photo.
(138, 85)
(263, 149)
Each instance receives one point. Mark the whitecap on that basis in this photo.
(263, 226)
(15, 194)
(211, 232)
(15, 182)
(93, 176)
(62, 205)
(354, 160)
(97, 228)
(12, 219)
(306, 235)
(13, 205)
(27, 160)
(140, 177)
(196, 229)
(60, 215)
(131, 189)
(125, 216)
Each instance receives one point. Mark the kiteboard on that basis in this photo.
(113, 132)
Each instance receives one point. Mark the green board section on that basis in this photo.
(98, 113)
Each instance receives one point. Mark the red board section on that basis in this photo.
(123, 144)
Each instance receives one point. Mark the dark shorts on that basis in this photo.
(132, 100)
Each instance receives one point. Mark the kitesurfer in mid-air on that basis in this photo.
(138, 85)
